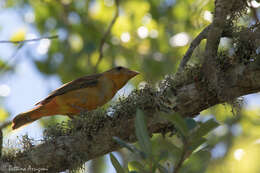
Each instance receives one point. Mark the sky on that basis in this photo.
(26, 86)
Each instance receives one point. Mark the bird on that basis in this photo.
(83, 94)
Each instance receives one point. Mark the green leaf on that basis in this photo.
(179, 123)
(197, 162)
(116, 164)
(196, 143)
(204, 128)
(191, 123)
(130, 147)
(156, 161)
(176, 151)
(123, 143)
(142, 133)
(136, 165)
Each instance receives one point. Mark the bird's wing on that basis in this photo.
(83, 82)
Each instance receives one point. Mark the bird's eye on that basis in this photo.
(119, 68)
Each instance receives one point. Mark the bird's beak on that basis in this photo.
(133, 73)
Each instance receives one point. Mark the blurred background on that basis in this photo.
(149, 36)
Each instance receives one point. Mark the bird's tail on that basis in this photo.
(25, 118)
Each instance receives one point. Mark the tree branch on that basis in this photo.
(209, 66)
(213, 32)
(29, 40)
(103, 40)
(195, 43)
(202, 35)
(4, 66)
(222, 8)
(20, 45)
(182, 157)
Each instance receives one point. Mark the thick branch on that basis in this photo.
(196, 42)
(91, 136)
(222, 9)
(209, 67)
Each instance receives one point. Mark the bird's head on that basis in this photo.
(120, 75)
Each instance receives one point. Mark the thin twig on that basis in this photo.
(182, 158)
(20, 45)
(29, 40)
(5, 65)
(202, 35)
(103, 40)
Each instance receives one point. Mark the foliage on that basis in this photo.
(187, 145)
